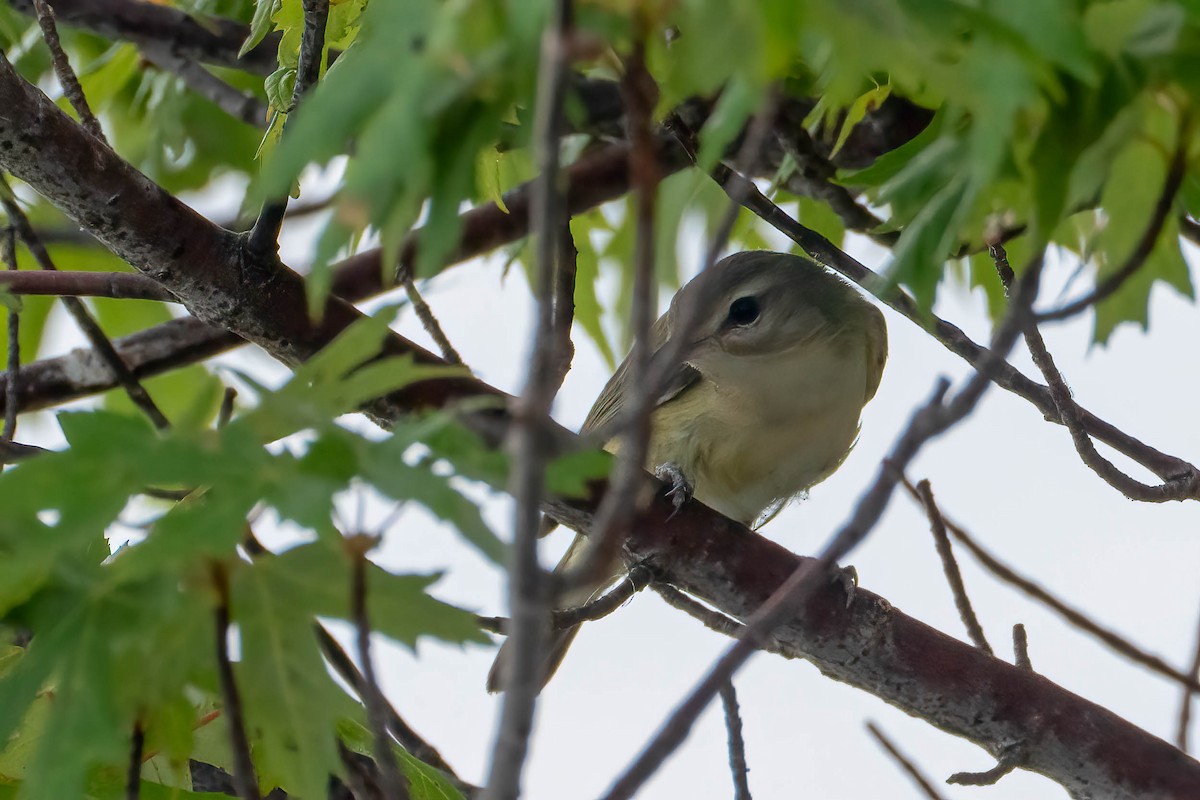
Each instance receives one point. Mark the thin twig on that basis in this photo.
(950, 567)
(1145, 245)
(564, 302)
(395, 785)
(117, 285)
(637, 579)
(133, 776)
(244, 779)
(8, 252)
(1012, 757)
(618, 507)
(737, 745)
(66, 75)
(931, 419)
(1074, 617)
(240, 105)
(409, 739)
(1185, 703)
(904, 762)
(227, 406)
(83, 318)
(1069, 412)
(429, 322)
(529, 436)
(263, 238)
(1021, 648)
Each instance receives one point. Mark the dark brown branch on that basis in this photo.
(904, 762)
(1186, 487)
(244, 778)
(62, 68)
(1074, 617)
(924, 492)
(592, 180)
(1021, 647)
(133, 776)
(1175, 471)
(162, 28)
(1145, 245)
(529, 436)
(8, 253)
(119, 285)
(637, 579)
(83, 318)
(1185, 702)
(953, 686)
(395, 785)
(737, 745)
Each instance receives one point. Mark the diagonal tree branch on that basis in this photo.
(948, 683)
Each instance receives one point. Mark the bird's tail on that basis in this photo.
(560, 640)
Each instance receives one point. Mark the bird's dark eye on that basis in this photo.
(743, 311)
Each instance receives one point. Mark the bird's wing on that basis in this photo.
(877, 350)
(608, 406)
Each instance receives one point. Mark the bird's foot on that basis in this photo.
(681, 488)
(847, 578)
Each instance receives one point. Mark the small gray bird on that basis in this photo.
(766, 401)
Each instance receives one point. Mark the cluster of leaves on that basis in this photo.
(128, 639)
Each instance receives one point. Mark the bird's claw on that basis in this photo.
(681, 488)
(847, 578)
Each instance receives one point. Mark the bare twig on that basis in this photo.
(904, 762)
(619, 505)
(394, 784)
(1145, 245)
(1071, 615)
(240, 105)
(529, 435)
(117, 285)
(1181, 488)
(133, 776)
(949, 566)
(737, 745)
(1021, 648)
(8, 252)
(409, 739)
(83, 318)
(1185, 703)
(1011, 758)
(62, 69)
(429, 322)
(244, 779)
(933, 418)
(637, 579)
(263, 238)
(564, 303)
(226, 411)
